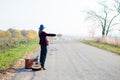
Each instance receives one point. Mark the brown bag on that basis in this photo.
(28, 63)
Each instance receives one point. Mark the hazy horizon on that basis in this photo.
(58, 16)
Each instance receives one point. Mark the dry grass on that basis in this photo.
(107, 43)
(109, 40)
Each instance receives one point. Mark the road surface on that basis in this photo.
(68, 60)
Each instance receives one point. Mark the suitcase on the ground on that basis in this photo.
(29, 63)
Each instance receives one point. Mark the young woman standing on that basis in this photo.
(43, 44)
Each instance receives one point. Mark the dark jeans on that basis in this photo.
(43, 54)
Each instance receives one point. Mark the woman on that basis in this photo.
(43, 43)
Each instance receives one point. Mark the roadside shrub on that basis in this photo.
(8, 43)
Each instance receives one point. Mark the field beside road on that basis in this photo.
(13, 49)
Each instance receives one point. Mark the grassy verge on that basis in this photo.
(9, 55)
(108, 47)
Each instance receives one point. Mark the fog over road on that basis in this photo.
(68, 60)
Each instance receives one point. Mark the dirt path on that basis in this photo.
(67, 60)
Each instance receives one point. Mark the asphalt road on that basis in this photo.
(68, 60)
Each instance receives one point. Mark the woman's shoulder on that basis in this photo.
(43, 33)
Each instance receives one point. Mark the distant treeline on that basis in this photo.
(15, 33)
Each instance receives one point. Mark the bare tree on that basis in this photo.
(104, 19)
(119, 31)
(92, 31)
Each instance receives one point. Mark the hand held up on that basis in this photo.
(59, 35)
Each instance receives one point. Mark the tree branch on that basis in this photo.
(111, 22)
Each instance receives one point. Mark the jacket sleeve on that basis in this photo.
(49, 34)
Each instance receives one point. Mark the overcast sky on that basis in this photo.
(58, 16)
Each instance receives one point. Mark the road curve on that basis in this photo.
(68, 60)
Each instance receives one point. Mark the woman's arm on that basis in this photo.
(49, 34)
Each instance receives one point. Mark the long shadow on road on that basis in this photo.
(23, 72)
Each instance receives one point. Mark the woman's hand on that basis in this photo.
(59, 35)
